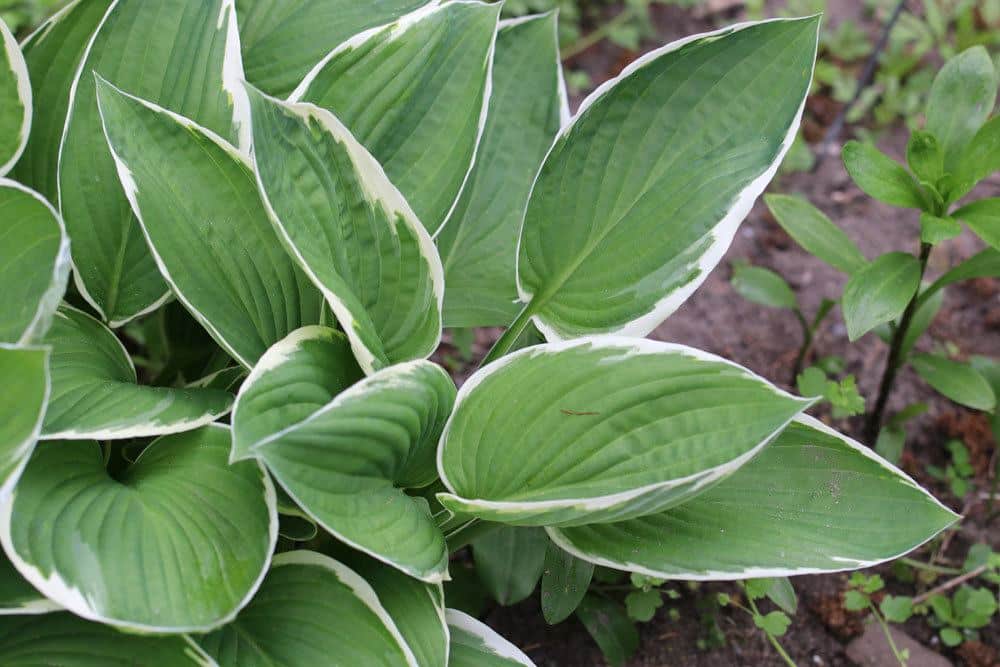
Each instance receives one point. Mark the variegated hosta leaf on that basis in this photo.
(310, 610)
(17, 596)
(344, 451)
(602, 429)
(182, 54)
(95, 394)
(178, 542)
(214, 243)
(813, 501)
(475, 644)
(15, 100)
(24, 392)
(283, 39)
(415, 92)
(34, 263)
(645, 188)
(527, 107)
(53, 54)
(64, 639)
(351, 231)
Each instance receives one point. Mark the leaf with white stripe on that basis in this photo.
(53, 54)
(475, 644)
(17, 596)
(64, 639)
(283, 39)
(15, 100)
(178, 542)
(602, 429)
(214, 244)
(95, 394)
(350, 230)
(643, 191)
(310, 610)
(813, 501)
(24, 392)
(344, 452)
(527, 107)
(415, 94)
(181, 54)
(34, 263)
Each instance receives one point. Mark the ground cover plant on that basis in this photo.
(272, 211)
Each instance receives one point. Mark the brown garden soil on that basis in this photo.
(718, 320)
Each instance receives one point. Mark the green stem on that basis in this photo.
(887, 633)
(895, 360)
(510, 336)
(929, 567)
(807, 339)
(595, 36)
(771, 638)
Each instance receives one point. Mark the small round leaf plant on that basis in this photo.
(276, 208)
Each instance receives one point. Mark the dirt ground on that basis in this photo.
(716, 319)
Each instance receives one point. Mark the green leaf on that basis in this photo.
(925, 157)
(34, 263)
(811, 382)
(982, 265)
(890, 443)
(53, 54)
(24, 392)
(215, 246)
(626, 219)
(973, 607)
(855, 600)
(881, 177)
(763, 286)
(611, 428)
(797, 508)
(879, 292)
(565, 581)
(959, 382)
(980, 158)
(509, 561)
(983, 218)
(95, 394)
(283, 39)
(65, 639)
(782, 593)
(176, 543)
(527, 106)
(896, 608)
(934, 229)
(642, 605)
(415, 94)
(344, 450)
(961, 99)
(473, 644)
(350, 231)
(774, 623)
(136, 48)
(951, 637)
(310, 610)
(15, 100)
(812, 230)
(611, 628)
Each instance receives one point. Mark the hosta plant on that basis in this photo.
(225, 443)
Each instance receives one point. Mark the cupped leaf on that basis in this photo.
(881, 177)
(64, 639)
(15, 100)
(815, 232)
(415, 94)
(959, 382)
(283, 39)
(601, 429)
(474, 644)
(509, 561)
(178, 542)
(344, 452)
(350, 230)
(983, 218)
(961, 99)
(53, 54)
(215, 244)
(95, 394)
(527, 107)
(925, 157)
(34, 263)
(24, 393)
(879, 292)
(643, 191)
(812, 501)
(137, 47)
(310, 610)
(565, 580)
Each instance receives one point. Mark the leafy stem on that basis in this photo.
(753, 611)
(888, 633)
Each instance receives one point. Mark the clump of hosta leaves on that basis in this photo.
(226, 444)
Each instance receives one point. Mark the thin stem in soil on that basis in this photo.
(888, 633)
(807, 339)
(771, 638)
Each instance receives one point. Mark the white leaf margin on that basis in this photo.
(24, 449)
(15, 59)
(724, 230)
(490, 639)
(555, 534)
(628, 347)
